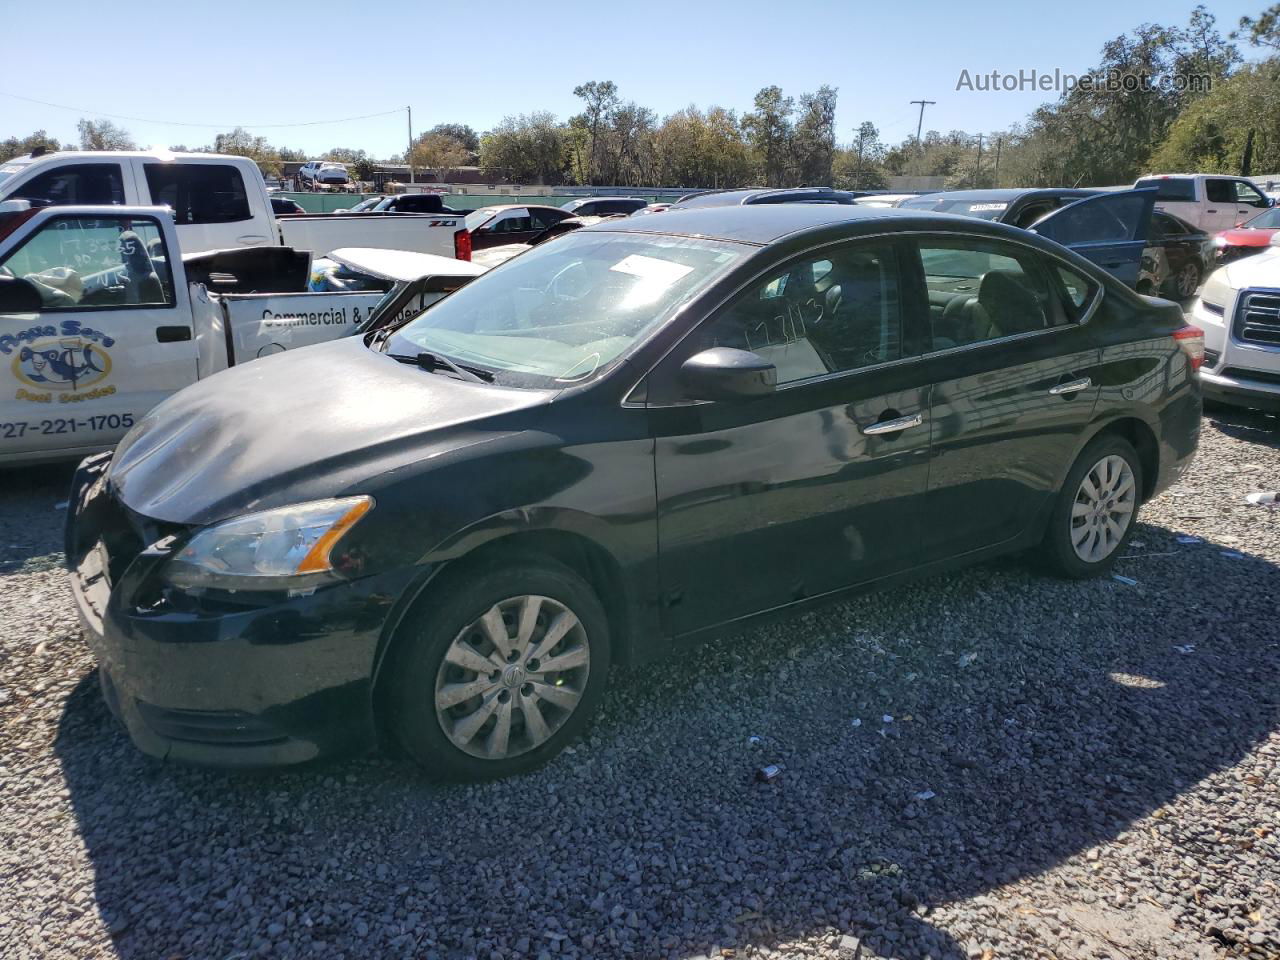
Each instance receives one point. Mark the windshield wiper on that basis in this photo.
(436, 361)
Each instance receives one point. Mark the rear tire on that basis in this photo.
(475, 693)
(1096, 511)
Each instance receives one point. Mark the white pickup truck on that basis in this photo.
(1239, 311)
(218, 202)
(1211, 202)
(100, 320)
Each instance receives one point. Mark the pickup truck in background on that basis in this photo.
(1211, 202)
(217, 202)
(100, 320)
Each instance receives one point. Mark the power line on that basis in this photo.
(184, 123)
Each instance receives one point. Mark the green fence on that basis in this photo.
(329, 202)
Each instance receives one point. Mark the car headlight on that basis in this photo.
(289, 548)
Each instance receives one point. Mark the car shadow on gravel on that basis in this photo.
(1252, 426)
(1006, 724)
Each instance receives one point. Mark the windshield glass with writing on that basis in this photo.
(568, 309)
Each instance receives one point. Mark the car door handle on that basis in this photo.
(896, 425)
(1071, 386)
(251, 238)
(1211, 211)
(172, 334)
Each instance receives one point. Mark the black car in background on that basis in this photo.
(411, 203)
(604, 206)
(281, 205)
(1177, 257)
(1014, 206)
(511, 223)
(729, 198)
(445, 532)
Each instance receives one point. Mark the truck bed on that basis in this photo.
(323, 233)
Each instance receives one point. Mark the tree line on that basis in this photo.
(1226, 121)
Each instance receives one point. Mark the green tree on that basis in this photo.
(600, 99)
(103, 135)
(768, 129)
(241, 143)
(813, 139)
(21, 146)
(1262, 31)
(1211, 135)
(460, 132)
(860, 165)
(529, 148)
(441, 154)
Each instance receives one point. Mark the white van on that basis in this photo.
(1211, 202)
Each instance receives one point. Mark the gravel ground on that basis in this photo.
(988, 764)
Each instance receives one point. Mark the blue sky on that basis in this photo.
(216, 65)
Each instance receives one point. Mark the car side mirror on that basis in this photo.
(19, 296)
(723, 373)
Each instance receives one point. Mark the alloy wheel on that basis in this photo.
(511, 678)
(1103, 509)
(1187, 281)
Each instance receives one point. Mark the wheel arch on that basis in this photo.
(582, 554)
(1142, 438)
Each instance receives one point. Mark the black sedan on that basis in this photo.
(650, 431)
(1179, 255)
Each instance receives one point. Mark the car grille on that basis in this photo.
(1258, 318)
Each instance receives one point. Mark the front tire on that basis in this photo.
(1096, 511)
(499, 670)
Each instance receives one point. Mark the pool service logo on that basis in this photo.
(70, 362)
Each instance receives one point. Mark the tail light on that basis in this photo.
(462, 245)
(14, 217)
(1191, 340)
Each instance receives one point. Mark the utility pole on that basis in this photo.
(408, 156)
(995, 180)
(977, 167)
(857, 177)
(920, 125)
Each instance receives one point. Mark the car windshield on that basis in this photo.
(11, 167)
(965, 206)
(568, 309)
(477, 217)
(1267, 220)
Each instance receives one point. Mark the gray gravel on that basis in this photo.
(1071, 770)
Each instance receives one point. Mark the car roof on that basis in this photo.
(767, 222)
(1006, 193)
(718, 198)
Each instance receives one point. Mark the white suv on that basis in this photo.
(324, 173)
(1239, 311)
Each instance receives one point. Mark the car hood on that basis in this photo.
(1259, 270)
(301, 425)
(1248, 237)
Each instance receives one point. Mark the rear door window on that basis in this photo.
(80, 183)
(1170, 189)
(199, 192)
(1220, 191)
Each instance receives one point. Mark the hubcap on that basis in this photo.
(512, 678)
(1188, 280)
(1103, 509)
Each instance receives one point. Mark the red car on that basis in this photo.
(1252, 236)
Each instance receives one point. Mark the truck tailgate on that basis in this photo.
(259, 324)
(421, 233)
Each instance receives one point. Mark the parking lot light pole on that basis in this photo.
(408, 156)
